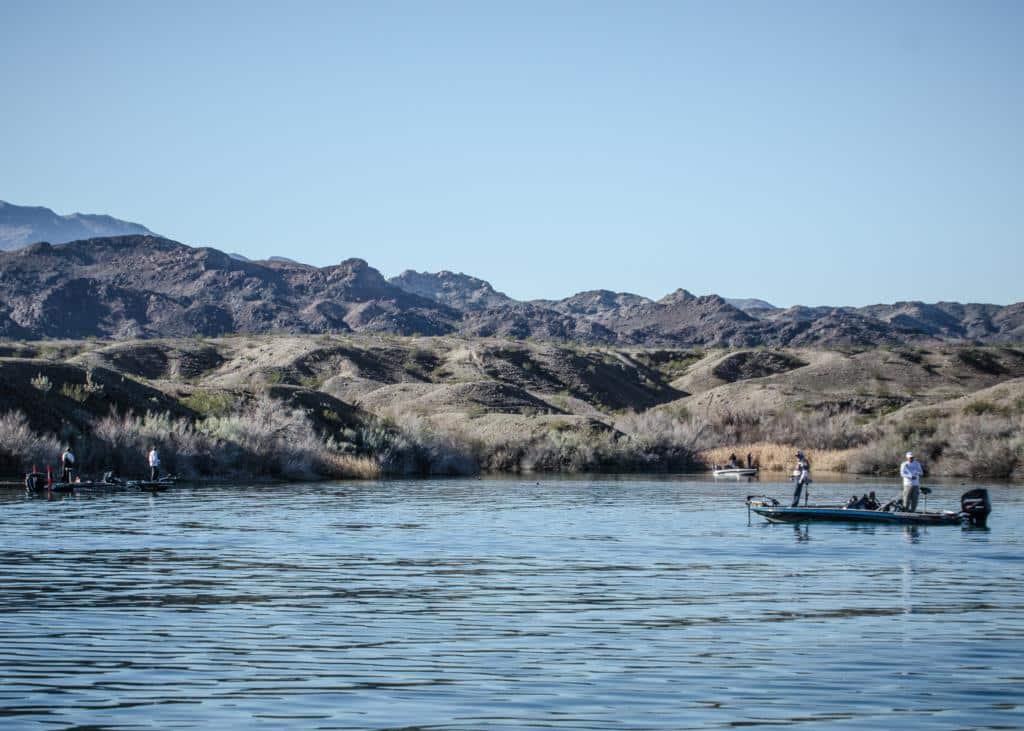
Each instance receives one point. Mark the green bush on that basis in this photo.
(211, 403)
(979, 408)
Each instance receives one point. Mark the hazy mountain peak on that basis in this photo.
(751, 305)
(24, 225)
(457, 290)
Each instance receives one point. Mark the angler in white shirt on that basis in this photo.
(911, 472)
(154, 464)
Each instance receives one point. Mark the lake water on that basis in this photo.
(634, 603)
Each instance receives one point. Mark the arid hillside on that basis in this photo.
(361, 404)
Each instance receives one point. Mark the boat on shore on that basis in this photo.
(734, 472)
(975, 508)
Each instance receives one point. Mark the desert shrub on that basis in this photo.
(967, 444)
(563, 450)
(270, 439)
(211, 403)
(978, 408)
(313, 383)
(21, 447)
(275, 376)
(262, 438)
(75, 392)
(981, 360)
(880, 457)
(120, 442)
(42, 383)
(413, 445)
(91, 386)
(815, 429)
(663, 433)
(982, 445)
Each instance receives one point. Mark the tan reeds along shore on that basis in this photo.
(781, 458)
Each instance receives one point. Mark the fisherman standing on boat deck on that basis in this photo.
(67, 463)
(802, 475)
(911, 472)
(154, 464)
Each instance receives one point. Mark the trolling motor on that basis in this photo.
(975, 506)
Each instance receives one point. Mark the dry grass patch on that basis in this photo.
(352, 467)
(781, 457)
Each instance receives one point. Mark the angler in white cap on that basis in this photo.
(911, 472)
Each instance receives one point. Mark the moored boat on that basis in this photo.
(974, 510)
(734, 472)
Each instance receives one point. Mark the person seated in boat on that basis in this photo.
(733, 464)
(869, 501)
(801, 475)
(67, 464)
(154, 464)
(893, 506)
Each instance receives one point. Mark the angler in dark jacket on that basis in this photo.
(802, 476)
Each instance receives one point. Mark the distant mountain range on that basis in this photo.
(147, 286)
(24, 225)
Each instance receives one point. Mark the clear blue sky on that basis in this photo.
(801, 152)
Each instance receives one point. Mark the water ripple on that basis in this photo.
(448, 604)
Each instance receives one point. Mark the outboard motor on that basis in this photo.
(35, 481)
(975, 506)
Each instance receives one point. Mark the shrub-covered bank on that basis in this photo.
(310, 407)
(961, 445)
(267, 439)
(264, 439)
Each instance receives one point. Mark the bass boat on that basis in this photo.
(36, 482)
(974, 510)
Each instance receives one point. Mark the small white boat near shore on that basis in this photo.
(736, 472)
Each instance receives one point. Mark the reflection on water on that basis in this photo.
(470, 604)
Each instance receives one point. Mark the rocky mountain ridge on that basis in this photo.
(146, 286)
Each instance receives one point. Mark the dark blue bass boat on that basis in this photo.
(974, 510)
(36, 482)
